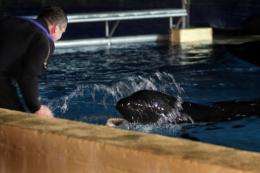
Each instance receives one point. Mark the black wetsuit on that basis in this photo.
(24, 50)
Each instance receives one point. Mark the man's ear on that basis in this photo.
(53, 29)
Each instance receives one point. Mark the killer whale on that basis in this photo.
(148, 106)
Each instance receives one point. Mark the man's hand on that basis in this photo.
(44, 111)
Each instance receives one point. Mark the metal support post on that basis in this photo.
(171, 22)
(107, 29)
(114, 28)
(188, 13)
(184, 19)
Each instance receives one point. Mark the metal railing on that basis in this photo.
(129, 15)
(116, 17)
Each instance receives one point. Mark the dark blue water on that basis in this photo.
(84, 84)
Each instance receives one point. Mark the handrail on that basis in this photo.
(118, 16)
(127, 15)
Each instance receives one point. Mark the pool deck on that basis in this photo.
(30, 144)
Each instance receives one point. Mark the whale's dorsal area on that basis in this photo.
(145, 106)
(148, 106)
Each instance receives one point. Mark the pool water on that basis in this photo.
(85, 83)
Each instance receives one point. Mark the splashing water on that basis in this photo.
(158, 82)
(163, 129)
(175, 114)
(109, 95)
(63, 102)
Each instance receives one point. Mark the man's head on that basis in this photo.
(56, 20)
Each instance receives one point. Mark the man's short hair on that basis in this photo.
(54, 15)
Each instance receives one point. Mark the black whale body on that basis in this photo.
(147, 106)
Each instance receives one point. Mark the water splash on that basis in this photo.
(106, 95)
(163, 129)
(62, 103)
(164, 82)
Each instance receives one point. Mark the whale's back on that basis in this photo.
(145, 106)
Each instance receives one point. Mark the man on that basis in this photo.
(25, 46)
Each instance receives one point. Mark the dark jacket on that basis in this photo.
(24, 49)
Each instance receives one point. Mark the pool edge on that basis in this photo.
(31, 144)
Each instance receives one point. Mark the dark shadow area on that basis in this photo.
(248, 51)
(230, 17)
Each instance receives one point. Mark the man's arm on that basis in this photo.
(32, 68)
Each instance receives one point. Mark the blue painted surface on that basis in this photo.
(84, 84)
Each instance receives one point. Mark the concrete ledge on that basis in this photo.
(192, 35)
(29, 144)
